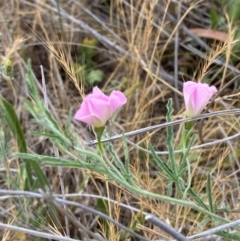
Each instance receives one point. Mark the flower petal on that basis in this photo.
(97, 93)
(116, 100)
(93, 111)
(100, 109)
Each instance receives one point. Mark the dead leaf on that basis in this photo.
(210, 33)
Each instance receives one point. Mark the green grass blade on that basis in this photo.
(209, 192)
(15, 126)
(13, 123)
(31, 86)
(197, 199)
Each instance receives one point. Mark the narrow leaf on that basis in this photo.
(161, 164)
(197, 198)
(170, 136)
(209, 192)
(13, 123)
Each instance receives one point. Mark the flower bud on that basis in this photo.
(196, 97)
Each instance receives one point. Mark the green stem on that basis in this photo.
(100, 147)
(115, 173)
(188, 128)
(98, 132)
(189, 178)
(176, 201)
(179, 188)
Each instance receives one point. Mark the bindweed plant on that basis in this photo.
(96, 109)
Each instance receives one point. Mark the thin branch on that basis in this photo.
(208, 144)
(215, 230)
(35, 233)
(9, 193)
(159, 126)
(160, 224)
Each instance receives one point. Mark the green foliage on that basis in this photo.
(9, 68)
(214, 17)
(40, 113)
(94, 77)
(103, 207)
(30, 81)
(169, 175)
(234, 10)
(139, 219)
(12, 120)
(3, 144)
(220, 22)
(29, 165)
(85, 66)
(6, 69)
(232, 7)
(88, 52)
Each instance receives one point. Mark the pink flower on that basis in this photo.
(196, 97)
(97, 108)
